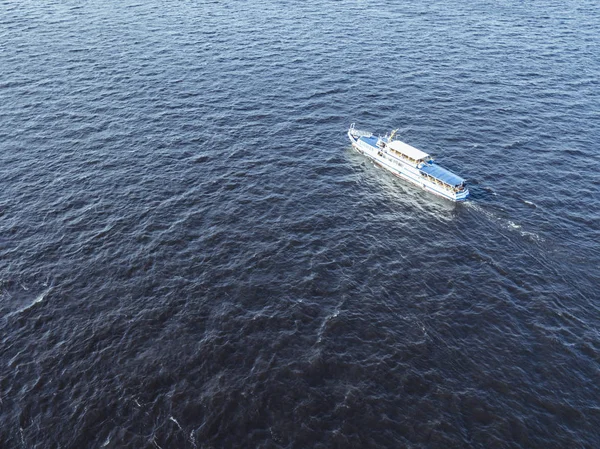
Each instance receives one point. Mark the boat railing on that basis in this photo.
(359, 133)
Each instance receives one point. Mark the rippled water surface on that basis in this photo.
(192, 255)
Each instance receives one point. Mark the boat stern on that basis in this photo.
(462, 195)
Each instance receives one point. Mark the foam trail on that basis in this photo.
(504, 223)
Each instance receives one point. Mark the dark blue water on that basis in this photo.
(192, 255)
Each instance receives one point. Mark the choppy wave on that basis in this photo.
(192, 255)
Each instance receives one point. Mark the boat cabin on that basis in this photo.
(445, 178)
(408, 153)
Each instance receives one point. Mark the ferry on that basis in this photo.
(409, 163)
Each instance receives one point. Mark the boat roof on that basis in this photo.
(371, 140)
(407, 150)
(442, 174)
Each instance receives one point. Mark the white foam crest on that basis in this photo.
(37, 300)
(175, 421)
(329, 317)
